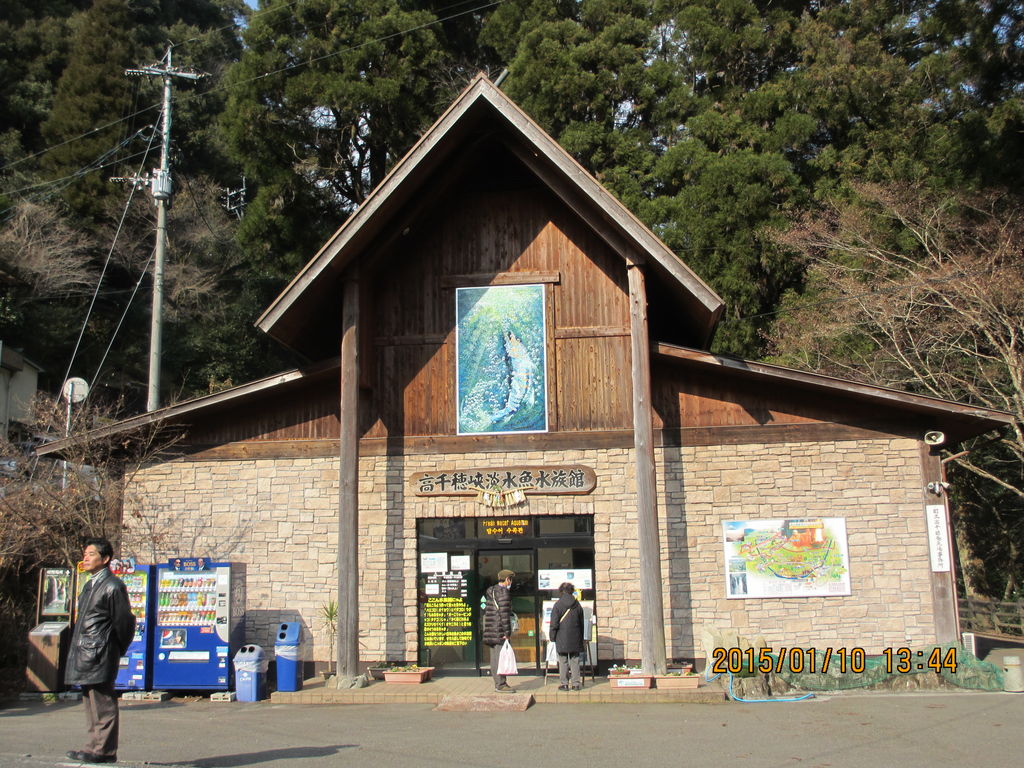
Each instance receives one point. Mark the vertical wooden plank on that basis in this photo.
(652, 612)
(348, 487)
(947, 624)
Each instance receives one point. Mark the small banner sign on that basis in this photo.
(511, 484)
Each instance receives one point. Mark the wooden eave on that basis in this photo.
(480, 109)
(957, 420)
(180, 413)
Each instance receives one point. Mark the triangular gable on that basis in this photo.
(483, 105)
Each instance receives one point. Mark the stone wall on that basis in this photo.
(875, 485)
(279, 517)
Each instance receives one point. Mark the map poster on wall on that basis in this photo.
(793, 557)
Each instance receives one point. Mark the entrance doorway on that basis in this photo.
(459, 559)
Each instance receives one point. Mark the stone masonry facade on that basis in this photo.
(279, 518)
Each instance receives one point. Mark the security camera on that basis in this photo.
(935, 437)
(938, 488)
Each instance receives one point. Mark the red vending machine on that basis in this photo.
(199, 609)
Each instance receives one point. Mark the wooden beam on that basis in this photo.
(947, 625)
(556, 441)
(590, 331)
(348, 486)
(499, 278)
(652, 609)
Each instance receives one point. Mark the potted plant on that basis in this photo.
(411, 674)
(674, 679)
(329, 620)
(624, 677)
(378, 668)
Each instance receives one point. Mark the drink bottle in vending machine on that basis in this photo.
(199, 607)
(136, 670)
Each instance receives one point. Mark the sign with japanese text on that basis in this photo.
(532, 480)
(446, 615)
(938, 537)
(504, 527)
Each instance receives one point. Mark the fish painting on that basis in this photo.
(501, 359)
(520, 379)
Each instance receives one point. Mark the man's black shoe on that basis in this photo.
(563, 687)
(89, 757)
(505, 688)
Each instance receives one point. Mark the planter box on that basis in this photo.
(630, 682)
(676, 682)
(414, 677)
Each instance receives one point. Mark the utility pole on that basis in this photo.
(162, 189)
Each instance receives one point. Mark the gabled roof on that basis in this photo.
(958, 420)
(199, 407)
(482, 107)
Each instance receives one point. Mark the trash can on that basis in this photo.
(250, 673)
(286, 650)
(1013, 681)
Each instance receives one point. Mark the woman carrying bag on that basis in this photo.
(567, 634)
(498, 624)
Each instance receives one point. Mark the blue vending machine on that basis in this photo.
(136, 670)
(199, 624)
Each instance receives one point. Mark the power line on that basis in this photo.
(289, 68)
(106, 263)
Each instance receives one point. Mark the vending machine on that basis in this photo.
(136, 670)
(50, 638)
(199, 607)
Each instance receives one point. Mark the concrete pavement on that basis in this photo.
(848, 730)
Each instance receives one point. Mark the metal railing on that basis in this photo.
(990, 617)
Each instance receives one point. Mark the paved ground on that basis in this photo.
(844, 731)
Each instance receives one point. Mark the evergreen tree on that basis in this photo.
(92, 93)
(328, 95)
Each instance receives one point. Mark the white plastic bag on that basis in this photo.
(552, 657)
(507, 660)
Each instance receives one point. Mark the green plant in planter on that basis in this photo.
(622, 670)
(329, 620)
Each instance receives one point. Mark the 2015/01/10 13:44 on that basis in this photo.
(841, 660)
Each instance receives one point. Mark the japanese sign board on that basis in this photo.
(938, 537)
(447, 616)
(532, 480)
(505, 527)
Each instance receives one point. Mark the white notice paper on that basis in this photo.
(433, 562)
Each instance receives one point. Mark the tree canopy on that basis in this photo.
(719, 122)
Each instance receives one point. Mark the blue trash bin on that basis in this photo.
(250, 673)
(286, 651)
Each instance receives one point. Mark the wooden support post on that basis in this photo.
(943, 583)
(652, 612)
(348, 487)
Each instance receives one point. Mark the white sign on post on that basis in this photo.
(938, 537)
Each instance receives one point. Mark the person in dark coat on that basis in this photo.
(104, 628)
(566, 632)
(498, 624)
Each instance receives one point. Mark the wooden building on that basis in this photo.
(507, 369)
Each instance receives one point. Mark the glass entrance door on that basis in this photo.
(524, 601)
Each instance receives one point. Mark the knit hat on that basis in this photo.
(505, 573)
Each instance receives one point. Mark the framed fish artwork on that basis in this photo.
(501, 359)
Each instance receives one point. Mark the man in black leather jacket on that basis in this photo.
(104, 628)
